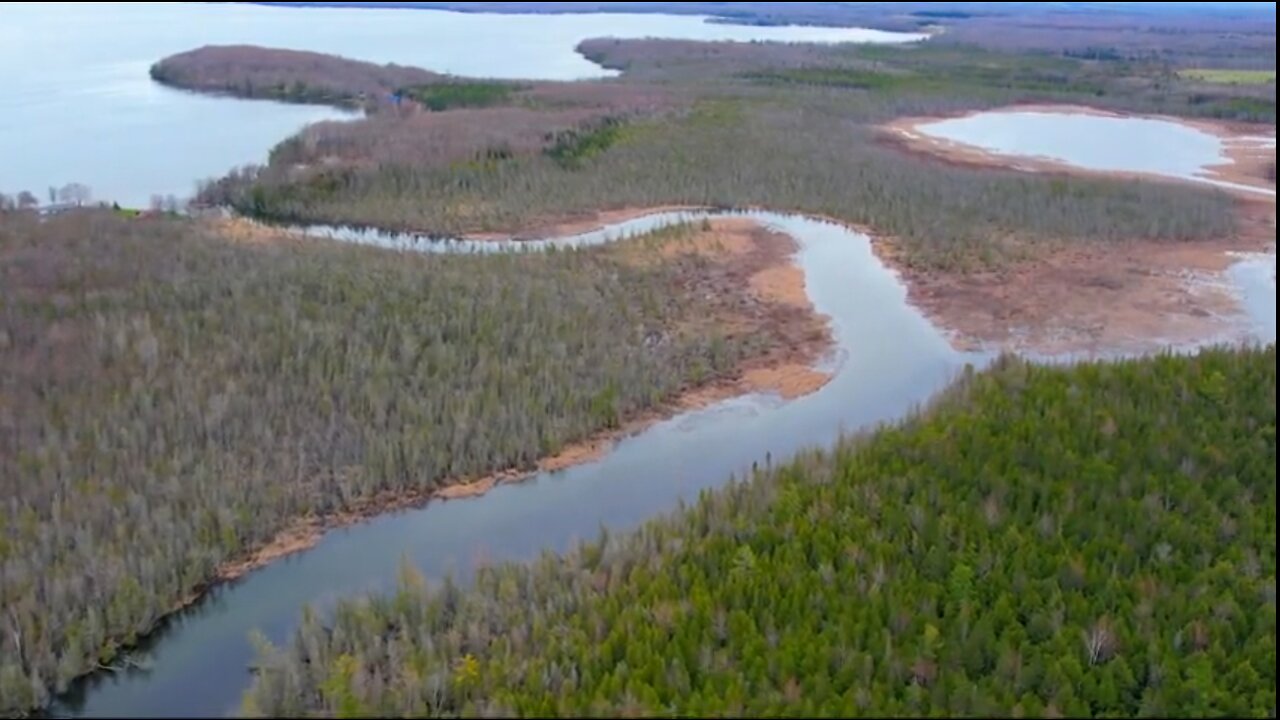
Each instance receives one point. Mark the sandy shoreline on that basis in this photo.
(747, 252)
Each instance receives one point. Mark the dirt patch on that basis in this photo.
(790, 381)
(1249, 148)
(721, 258)
(1135, 296)
(1252, 162)
(784, 284)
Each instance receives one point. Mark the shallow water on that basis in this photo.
(1093, 142)
(1253, 277)
(78, 104)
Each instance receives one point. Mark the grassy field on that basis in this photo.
(1230, 77)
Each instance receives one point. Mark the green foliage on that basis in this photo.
(1234, 108)
(571, 148)
(941, 79)
(169, 401)
(438, 97)
(1230, 77)
(1096, 541)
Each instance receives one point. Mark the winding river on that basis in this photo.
(888, 359)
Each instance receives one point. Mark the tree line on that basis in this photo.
(1093, 541)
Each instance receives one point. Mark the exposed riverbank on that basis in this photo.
(739, 253)
(1132, 296)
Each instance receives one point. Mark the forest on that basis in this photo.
(980, 559)
(673, 128)
(170, 399)
(288, 75)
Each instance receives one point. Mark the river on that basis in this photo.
(888, 360)
(86, 112)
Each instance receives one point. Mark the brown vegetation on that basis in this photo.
(1100, 298)
(290, 75)
(170, 401)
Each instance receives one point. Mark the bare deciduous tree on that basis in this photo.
(1100, 642)
(77, 194)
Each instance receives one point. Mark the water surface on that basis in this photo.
(1093, 142)
(79, 105)
(888, 359)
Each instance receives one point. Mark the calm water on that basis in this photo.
(84, 110)
(888, 360)
(79, 106)
(1092, 142)
(1254, 279)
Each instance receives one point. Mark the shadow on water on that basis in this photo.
(888, 361)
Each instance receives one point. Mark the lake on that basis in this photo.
(80, 106)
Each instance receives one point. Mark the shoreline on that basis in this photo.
(1244, 147)
(1131, 296)
(789, 374)
(786, 371)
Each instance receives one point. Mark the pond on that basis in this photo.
(1104, 143)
